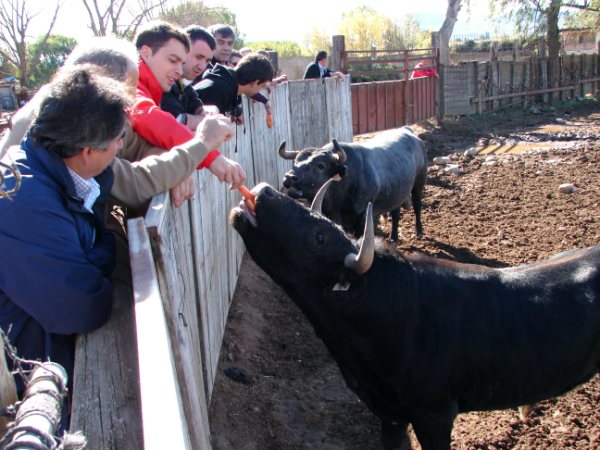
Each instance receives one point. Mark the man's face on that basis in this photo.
(197, 59)
(100, 159)
(166, 63)
(224, 48)
(255, 87)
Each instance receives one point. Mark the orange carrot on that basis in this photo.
(248, 197)
(270, 120)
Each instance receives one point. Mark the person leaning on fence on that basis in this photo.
(421, 70)
(162, 50)
(319, 68)
(141, 170)
(58, 254)
(223, 86)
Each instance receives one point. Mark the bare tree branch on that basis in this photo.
(15, 19)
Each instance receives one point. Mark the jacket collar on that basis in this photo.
(53, 166)
(149, 83)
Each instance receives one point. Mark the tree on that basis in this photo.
(583, 18)
(283, 48)
(15, 19)
(51, 55)
(445, 32)
(364, 28)
(197, 13)
(316, 40)
(111, 17)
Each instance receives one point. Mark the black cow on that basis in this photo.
(389, 170)
(420, 339)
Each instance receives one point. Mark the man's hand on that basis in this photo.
(228, 171)
(338, 75)
(183, 192)
(214, 130)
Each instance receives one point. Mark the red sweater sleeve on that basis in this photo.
(158, 127)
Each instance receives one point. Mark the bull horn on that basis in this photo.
(317, 203)
(339, 152)
(287, 154)
(362, 262)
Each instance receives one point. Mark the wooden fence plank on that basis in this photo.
(161, 405)
(106, 372)
(308, 114)
(175, 259)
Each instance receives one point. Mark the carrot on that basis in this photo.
(248, 197)
(270, 120)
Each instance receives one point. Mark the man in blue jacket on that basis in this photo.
(56, 253)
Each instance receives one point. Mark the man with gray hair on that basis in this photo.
(55, 283)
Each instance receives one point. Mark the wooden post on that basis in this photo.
(274, 58)
(8, 389)
(338, 60)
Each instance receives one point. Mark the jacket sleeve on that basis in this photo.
(51, 276)
(158, 127)
(137, 182)
(210, 94)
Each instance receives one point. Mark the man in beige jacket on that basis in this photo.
(141, 170)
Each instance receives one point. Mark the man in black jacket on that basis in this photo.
(182, 100)
(223, 86)
(318, 68)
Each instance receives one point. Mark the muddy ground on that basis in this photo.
(498, 212)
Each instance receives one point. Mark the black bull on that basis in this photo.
(387, 170)
(420, 339)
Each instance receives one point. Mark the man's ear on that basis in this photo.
(86, 155)
(145, 52)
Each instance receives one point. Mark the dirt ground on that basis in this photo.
(499, 211)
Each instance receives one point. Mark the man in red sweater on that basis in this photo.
(163, 49)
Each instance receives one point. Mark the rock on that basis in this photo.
(441, 160)
(567, 188)
(470, 152)
(491, 158)
(453, 168)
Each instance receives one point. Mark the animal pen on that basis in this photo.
(145, 379)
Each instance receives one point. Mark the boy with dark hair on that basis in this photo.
(182, 101)
(223, 86)
(162, 50)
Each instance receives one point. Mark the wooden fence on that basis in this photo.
(389, 104)
(476, 88)
(144, 380)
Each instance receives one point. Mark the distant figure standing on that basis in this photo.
(319, 68)
(420, 72)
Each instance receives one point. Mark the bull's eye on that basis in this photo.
(320, 238)
(321, 166)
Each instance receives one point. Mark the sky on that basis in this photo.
(287, 20)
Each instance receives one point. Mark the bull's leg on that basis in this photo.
(417, 198)
(395, 213)
(394, 436)
(434, 428)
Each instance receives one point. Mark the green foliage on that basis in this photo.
(583, 19)
(396, 75)
(50, 56)
(283, 48)
(197, 13)
(316, 40)
(7, 69)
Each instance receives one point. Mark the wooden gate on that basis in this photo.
(382, 105)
